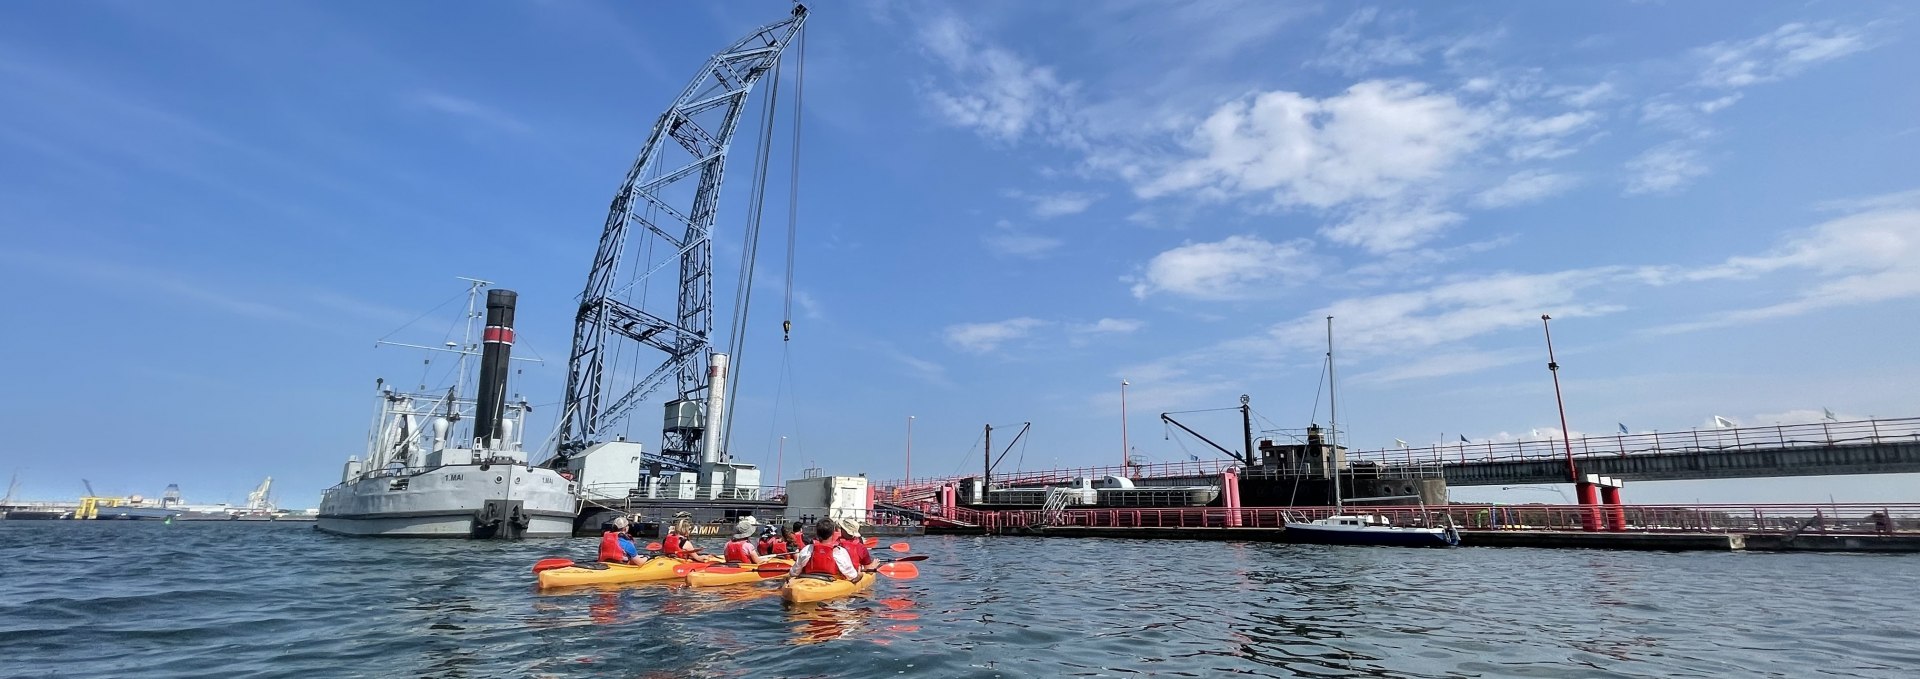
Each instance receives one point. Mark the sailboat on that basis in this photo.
(1359, 529)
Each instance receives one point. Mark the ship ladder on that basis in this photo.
(1055, 508)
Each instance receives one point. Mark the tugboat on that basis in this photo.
(1359, 529)
(427, 473)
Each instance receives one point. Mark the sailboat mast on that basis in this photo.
(1333, 422)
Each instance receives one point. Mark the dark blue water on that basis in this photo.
(122, 599)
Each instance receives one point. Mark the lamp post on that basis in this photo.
(909, 450)
(779, 459)
(1123, 427)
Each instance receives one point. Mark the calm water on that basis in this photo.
(115, 599)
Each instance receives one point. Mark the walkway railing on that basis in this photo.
(1826, 433)
(1858, 432)
(1714, 518)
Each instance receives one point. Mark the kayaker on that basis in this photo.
(773, 544)
(676, 546)
(741, 548)
(616, 545)
(856, 546)
(825, 556)
(797, 536)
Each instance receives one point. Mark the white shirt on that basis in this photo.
(840, 560)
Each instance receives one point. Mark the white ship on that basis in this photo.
(449, 466)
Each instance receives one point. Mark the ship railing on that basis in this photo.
(1843, 518)
(1807, 435)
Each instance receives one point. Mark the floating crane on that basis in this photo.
(667, 203)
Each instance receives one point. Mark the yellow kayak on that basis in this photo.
(657, 568)
(747, 573)
(810, 588)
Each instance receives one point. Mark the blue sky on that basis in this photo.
(209, 211)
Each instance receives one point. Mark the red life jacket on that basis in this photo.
(774, 545)
(671, 546)
(821, 561)
(736, 552)
(857, 551)
(610, 550)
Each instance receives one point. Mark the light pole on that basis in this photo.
(779, 459)
(909, 450)
(1123, 427)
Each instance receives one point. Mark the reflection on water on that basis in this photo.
(1012, 607)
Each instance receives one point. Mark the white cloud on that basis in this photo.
(468, 109)
(1372, 141)
(1861, 258)
(981, 338)
(996, 92)
(1238, 267)
(1456, 310)
(1784, 52)
(1012, 241)
(1524, 187)
(1387, 226)
(1443, 365)
(1663, 169)
(1113, 326)
(1583, 97)
(1049, 205)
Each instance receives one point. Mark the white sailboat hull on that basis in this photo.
(452, 501)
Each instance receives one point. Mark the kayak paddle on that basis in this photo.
(899, 571)
(550, 564)
(904, 559)
(899, 547)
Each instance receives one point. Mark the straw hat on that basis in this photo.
(850, 527)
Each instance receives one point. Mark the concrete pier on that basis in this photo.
(1542, 539)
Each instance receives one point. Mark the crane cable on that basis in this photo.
(750, 252)
(793, 182)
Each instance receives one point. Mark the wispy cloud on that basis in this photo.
(1786, 51)
(1524, 187)
(993, 90)
(1238, 267)
(981, 338)
(1049, 205)
(469, 110)
(137, 280)
(1664, 169)
(1010, 240)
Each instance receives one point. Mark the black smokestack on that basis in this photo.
(493, 366)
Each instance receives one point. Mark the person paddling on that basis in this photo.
(772, 544)
(797, 537)
(616, 544)
(856, 546)
(676, 546)
(741, 548)
(826, 556)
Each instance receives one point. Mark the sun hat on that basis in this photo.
(850, 527)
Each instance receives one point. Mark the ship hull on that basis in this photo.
(1309, 534)
(453, 501)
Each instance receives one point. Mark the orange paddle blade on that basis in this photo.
(900, 571)
(899, 547)
(550, 564)
(725, 570)
(653, 546)
(872, 542)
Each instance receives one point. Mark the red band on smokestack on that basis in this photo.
(498, 335)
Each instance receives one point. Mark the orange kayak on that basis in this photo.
(811, 588)
(736, 574)
(657, 568)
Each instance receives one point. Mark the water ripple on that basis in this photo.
(282, 601)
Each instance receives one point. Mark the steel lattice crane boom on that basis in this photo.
(670, 195)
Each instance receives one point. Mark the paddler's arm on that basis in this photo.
(800, 560)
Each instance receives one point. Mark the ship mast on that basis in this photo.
(1333, 423)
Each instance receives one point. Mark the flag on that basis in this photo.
(1722, 423)
(1463, 439)
(1400, 443)
(1196, 458)
(1828, 412)
(1623, 427)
